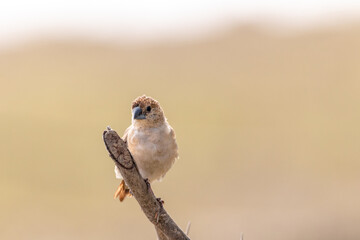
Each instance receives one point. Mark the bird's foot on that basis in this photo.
(147, 183)
(157, 214)
(160, 201)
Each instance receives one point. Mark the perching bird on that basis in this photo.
(150, 140)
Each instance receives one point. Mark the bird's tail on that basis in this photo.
(122, 191)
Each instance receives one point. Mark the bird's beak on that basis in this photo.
(137, 113)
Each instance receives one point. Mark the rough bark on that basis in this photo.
(166, 228)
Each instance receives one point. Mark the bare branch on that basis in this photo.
(188, 228)
(160, 234)
(166, 228)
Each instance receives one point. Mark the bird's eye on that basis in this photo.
(148, 109)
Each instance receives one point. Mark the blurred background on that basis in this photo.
(264, 97)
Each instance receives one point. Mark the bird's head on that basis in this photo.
(146, 112)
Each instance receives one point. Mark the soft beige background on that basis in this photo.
(267, 125)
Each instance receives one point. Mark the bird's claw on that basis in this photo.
(147, 183)
(160, 201)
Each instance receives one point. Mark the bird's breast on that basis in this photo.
(154, 150)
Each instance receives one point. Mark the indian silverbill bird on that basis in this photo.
(150, 140)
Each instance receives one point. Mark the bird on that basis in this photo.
(151, 141)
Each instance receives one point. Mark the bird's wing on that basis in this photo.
(125, 136)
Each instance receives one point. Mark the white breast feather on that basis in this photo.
(154, 150)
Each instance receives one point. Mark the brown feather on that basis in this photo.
(122, 192)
